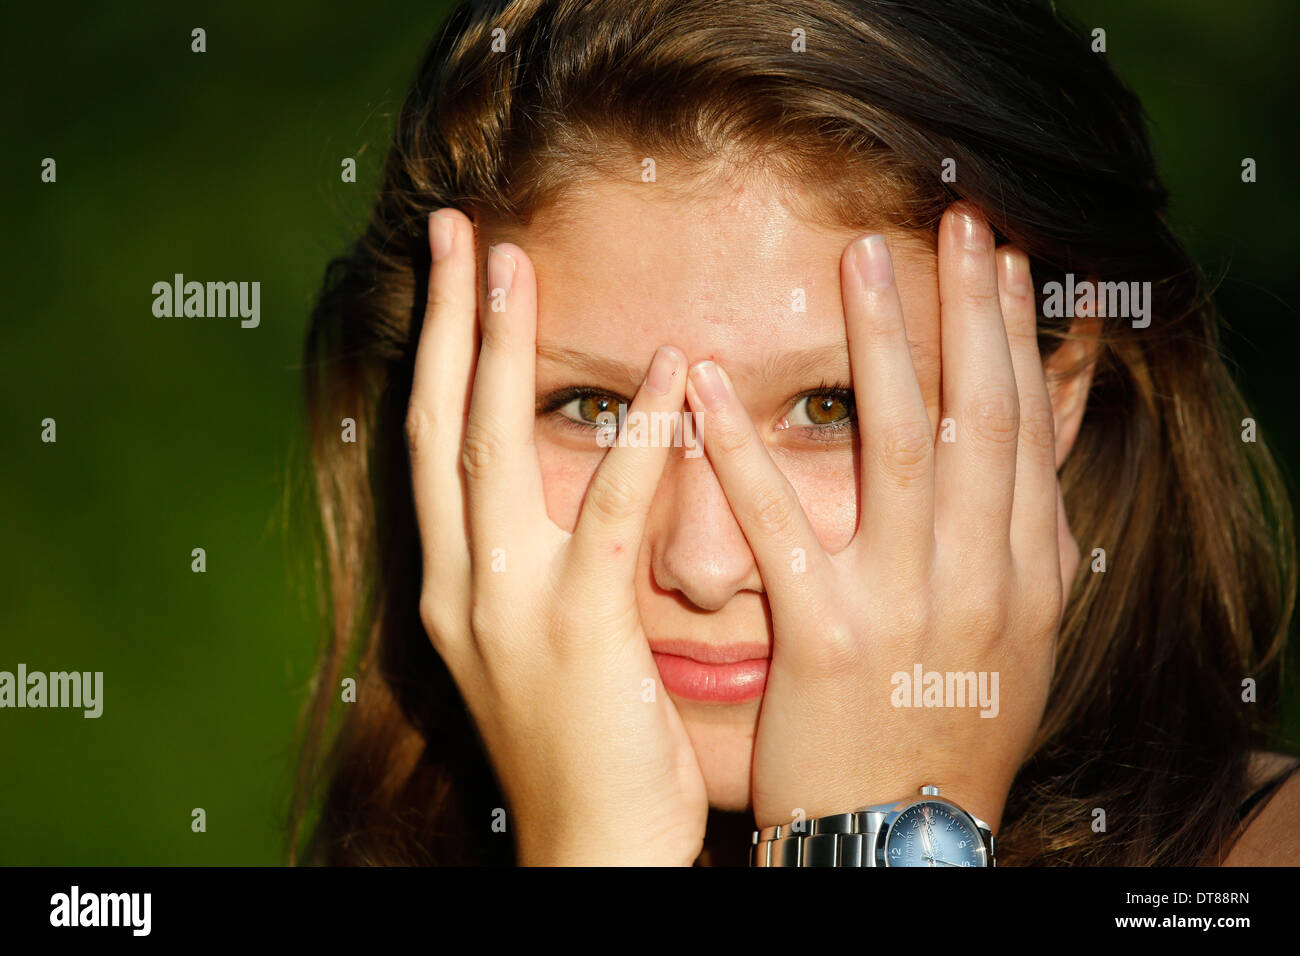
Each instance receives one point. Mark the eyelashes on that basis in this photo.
(822, 400)
(600, 401)
(807, 410)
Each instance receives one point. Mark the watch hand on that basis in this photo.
(927, 844)
(928, 834)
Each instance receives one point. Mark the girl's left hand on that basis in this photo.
(959, 562)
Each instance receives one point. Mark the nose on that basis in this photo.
(696, 545)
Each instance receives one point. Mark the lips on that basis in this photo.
(712, 673)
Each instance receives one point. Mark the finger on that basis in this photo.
(790, 559)
(1033, 511)
(974, 472)
(1070, 556)
(606, 541)
(502, 473)
(435, 420)
(897, 442)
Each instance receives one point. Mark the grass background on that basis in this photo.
(177, 434)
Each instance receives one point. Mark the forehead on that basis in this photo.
(721, 271)
(742, 272)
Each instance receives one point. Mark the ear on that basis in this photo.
(1069, 378)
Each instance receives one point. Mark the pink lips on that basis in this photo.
(718, 674)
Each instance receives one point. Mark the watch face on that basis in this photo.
(930, 833)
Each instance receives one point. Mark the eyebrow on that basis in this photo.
(777, 366)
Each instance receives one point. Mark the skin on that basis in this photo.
(1269, 836)
(552, 562)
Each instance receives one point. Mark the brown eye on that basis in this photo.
(585, 408)
(822, 409)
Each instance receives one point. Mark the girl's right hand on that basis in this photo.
(539, 628)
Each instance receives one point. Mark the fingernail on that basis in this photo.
(442, 236)
(1015, 273)
(872, 258)
(501, 270)
(708, 385)
(971, 228)
(663, 369)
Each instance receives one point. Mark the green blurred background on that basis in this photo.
(182, 433)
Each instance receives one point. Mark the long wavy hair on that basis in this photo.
(864, 102)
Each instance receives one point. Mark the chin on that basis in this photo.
(723, 738)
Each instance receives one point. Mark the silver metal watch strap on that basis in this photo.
(841, 839)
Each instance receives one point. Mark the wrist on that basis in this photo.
(981, 799)
(928, 828)
(554, 846)
(610, 854)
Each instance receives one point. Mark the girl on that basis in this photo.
(924, 518)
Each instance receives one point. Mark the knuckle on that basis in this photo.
(1038, 428)
(483, 618)
(482, 450)
(985, 611)
(906, 449)
(981, 296)
(430, 615)
(884, 332)
(772, 512)
(995, 416)
(925, 355)
(730, 439)
(439, 624)
(416, 429)
(1045, 606)
(834, 651)
(613, 498)
(1071, 551)
(497, 336)
(442, 300)
(1023, 335)
(909, 618)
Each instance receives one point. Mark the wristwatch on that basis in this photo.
(929, 831)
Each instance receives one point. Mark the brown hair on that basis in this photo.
(1145, 717)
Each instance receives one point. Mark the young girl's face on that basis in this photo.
(622, 270)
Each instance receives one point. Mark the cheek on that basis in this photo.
(565, 477)
(827, 486)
